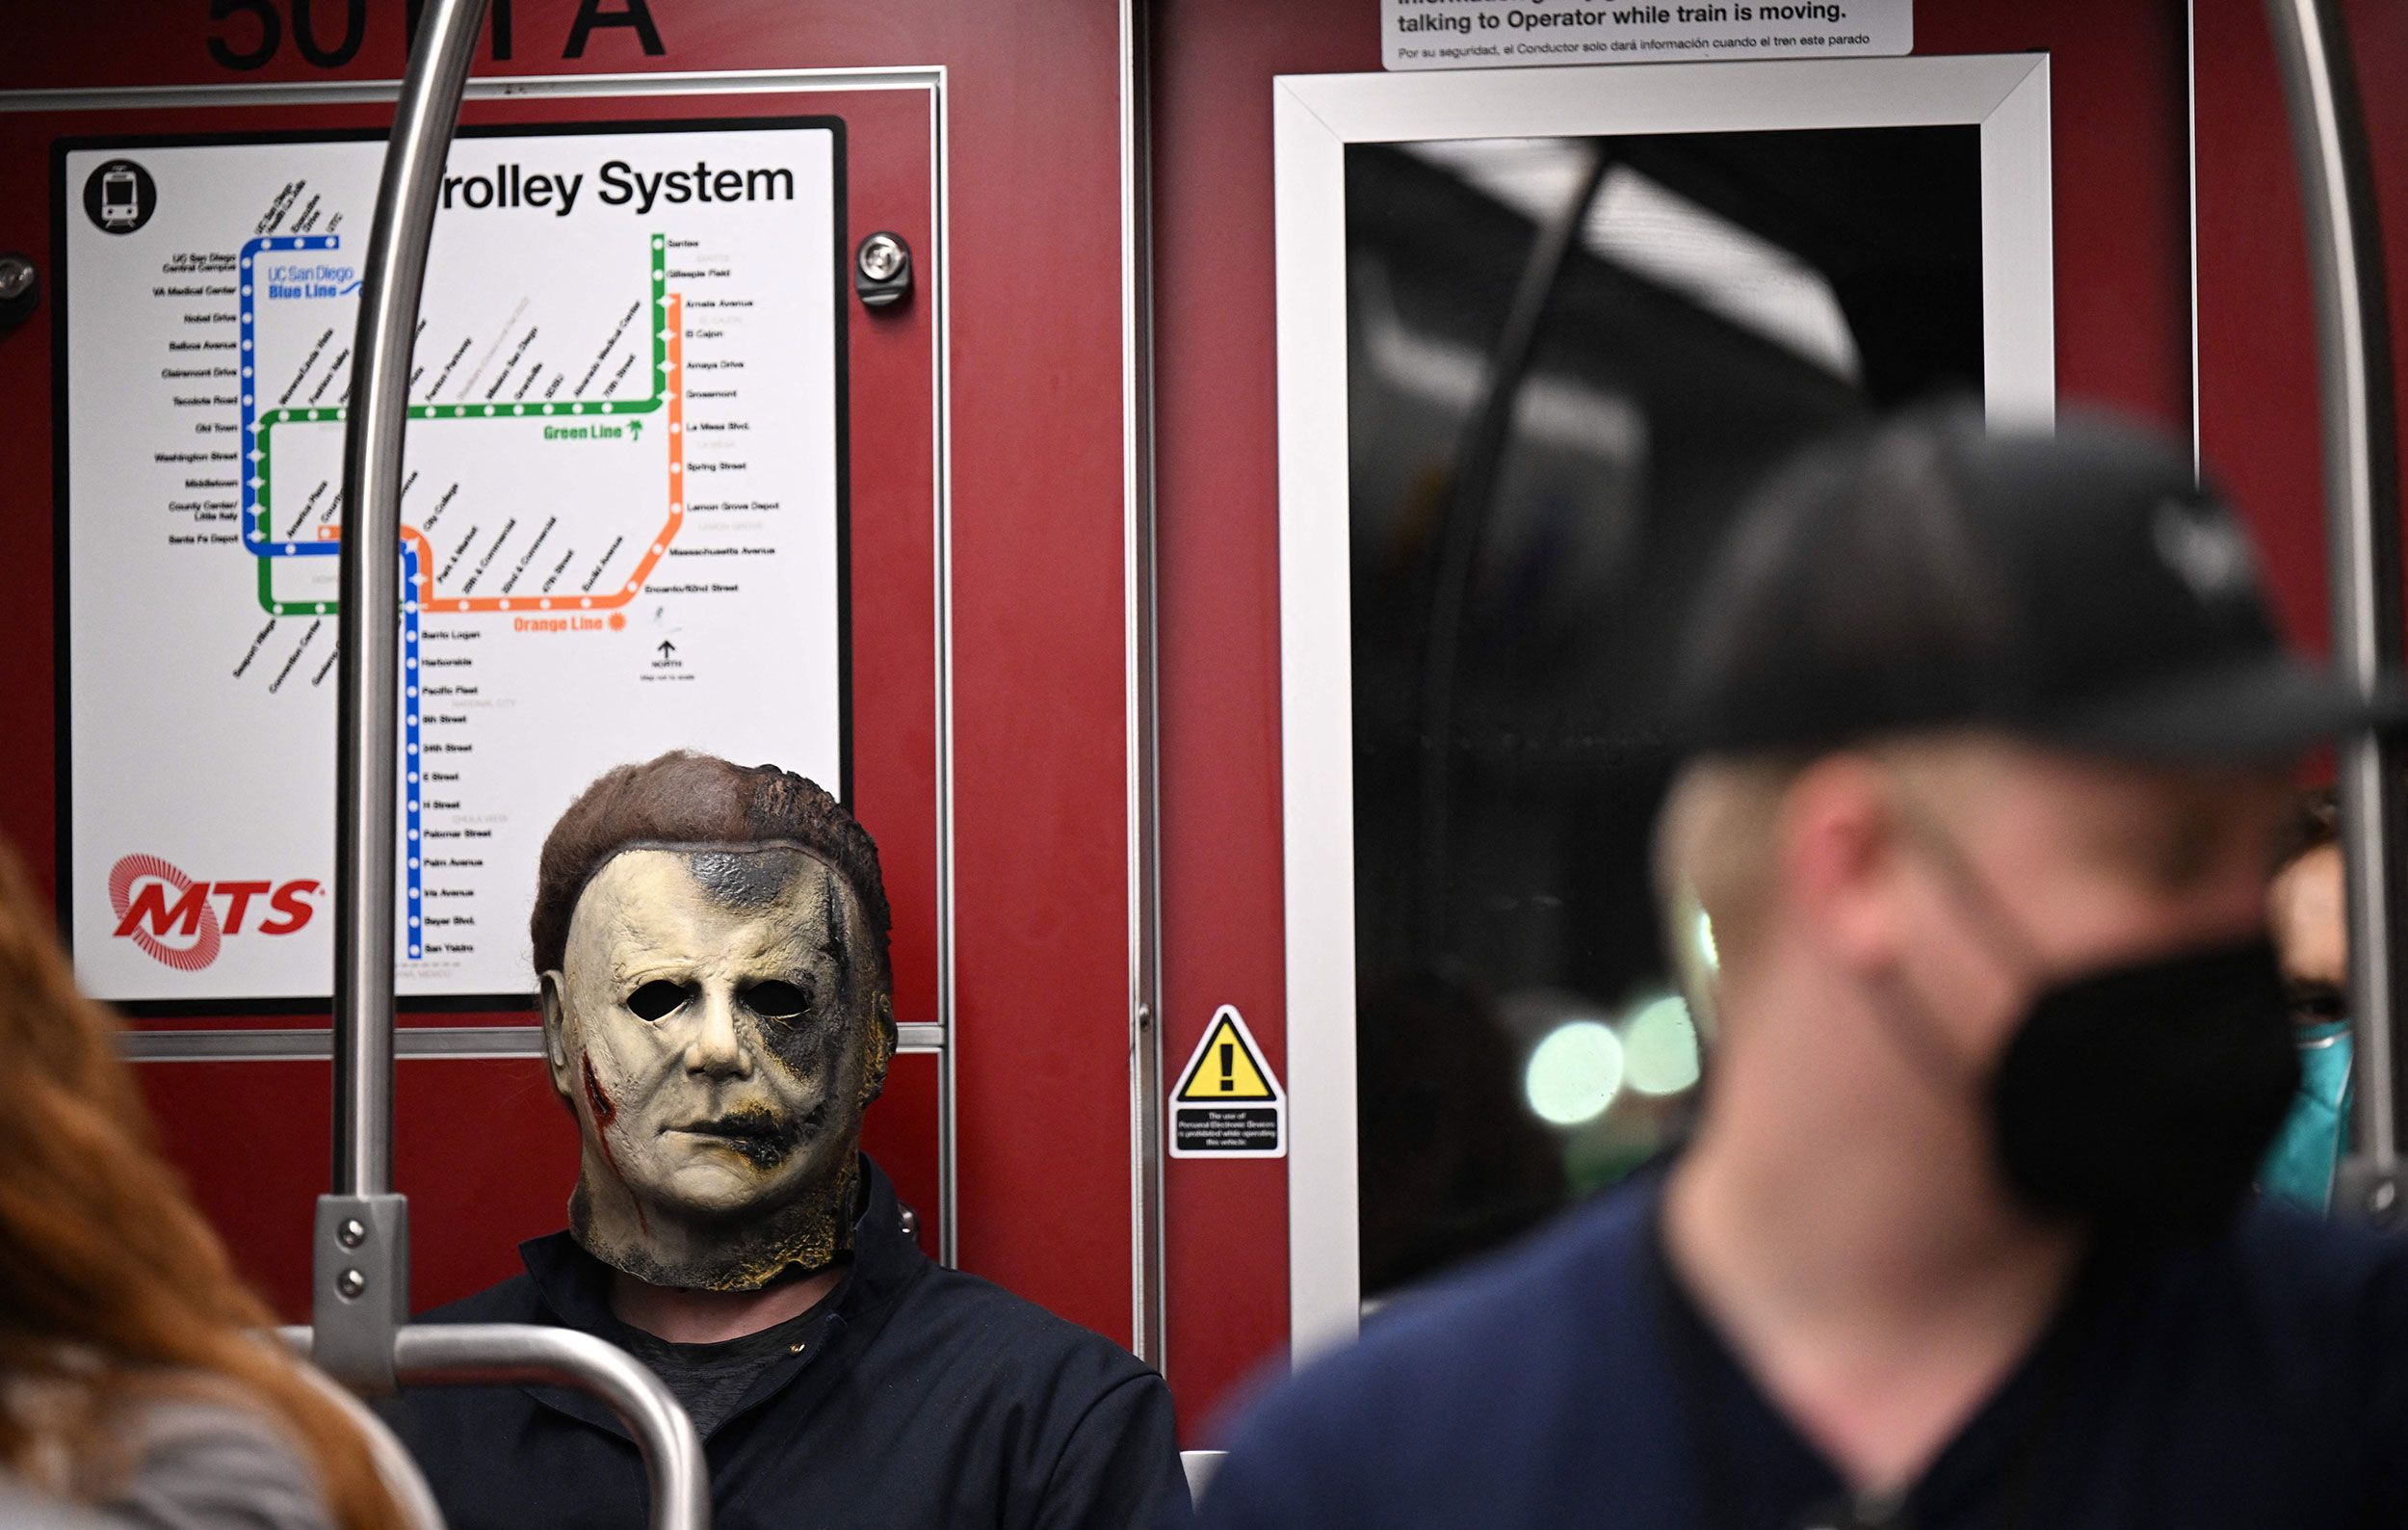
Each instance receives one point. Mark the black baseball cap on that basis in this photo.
(2080, 588)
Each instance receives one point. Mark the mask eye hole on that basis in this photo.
(777, 1000)
(658, 1000)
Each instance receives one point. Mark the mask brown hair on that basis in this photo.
(114, 1291)
(688, 798)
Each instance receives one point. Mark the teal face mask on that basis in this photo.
(2307, 1151)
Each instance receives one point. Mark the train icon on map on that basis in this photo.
(120, 196)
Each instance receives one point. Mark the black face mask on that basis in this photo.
(2140, 1098)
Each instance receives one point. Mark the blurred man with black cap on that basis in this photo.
(1993, 734)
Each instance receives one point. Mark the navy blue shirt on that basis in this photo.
(914, 1395)
(2258, 1381)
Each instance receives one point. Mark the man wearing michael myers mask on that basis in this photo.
(711, 948)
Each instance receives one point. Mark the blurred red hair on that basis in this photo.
(113, 1290)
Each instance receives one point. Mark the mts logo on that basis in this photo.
(155, 901)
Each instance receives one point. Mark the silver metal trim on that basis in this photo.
(1200, 1465)
(1140, 710)
(689, 81)
(411, 1043)
(941, 344)
(315, 1043)
(2362, 520)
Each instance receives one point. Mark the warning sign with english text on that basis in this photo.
(1227, 1103)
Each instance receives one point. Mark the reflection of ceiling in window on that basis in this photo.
(1556, 410)
(1647, 227)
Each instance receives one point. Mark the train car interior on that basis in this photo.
(802, 765)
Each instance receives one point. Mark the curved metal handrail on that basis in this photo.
(521, 1353)
(361, 1336)
(506, 1353)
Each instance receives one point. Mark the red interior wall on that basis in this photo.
(2123, 337)
(2257, 312)
(1040, 959)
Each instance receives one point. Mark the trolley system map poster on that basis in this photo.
(622, 524)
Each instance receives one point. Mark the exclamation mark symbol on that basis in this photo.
(1228, 1067)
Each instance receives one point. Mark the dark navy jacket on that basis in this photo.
(923, 1396)
(2261, 1381)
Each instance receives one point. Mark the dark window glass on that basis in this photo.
(1729, 296)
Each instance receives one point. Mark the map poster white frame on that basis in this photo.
(789, 550)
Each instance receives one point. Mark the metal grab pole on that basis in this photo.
(2363, 550)
(369, 691)
(361, 1288)
(361, 1298)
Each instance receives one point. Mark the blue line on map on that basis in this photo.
(411, 764)
(258, 537)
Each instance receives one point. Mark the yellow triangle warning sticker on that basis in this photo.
(1226, 1066)
(1228, 1103)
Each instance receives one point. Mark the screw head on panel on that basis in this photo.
(881, 270)
(881, 256)
(20, 289)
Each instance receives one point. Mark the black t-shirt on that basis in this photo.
(2261, 1381)
(711, 1379)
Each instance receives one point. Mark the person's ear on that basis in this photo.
(1838, 863)
(552, 994)
(881, 1048)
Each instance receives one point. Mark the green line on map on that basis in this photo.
(270, 418)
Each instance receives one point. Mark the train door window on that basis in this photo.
(1486, 1019)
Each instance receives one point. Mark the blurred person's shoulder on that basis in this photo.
(2297, 1283)
(1496, 1395)
(24, 1508)
(2271, 1366)
(2337, 1254)
(203, 1462)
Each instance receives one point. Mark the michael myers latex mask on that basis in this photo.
(717, 1011)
